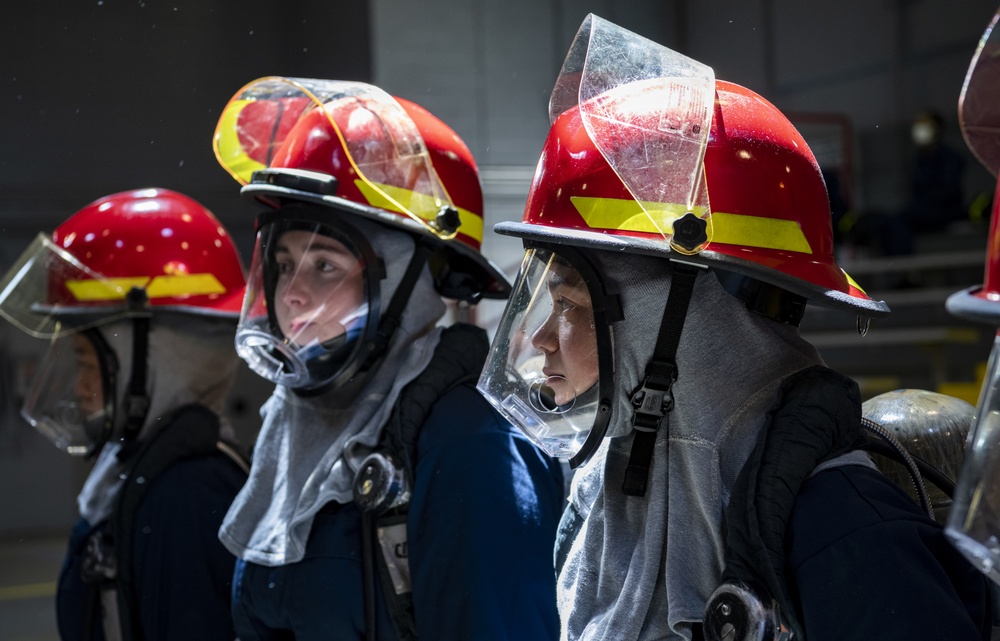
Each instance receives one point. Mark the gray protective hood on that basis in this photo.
(644, 567)
(310, 448)
(191, 360)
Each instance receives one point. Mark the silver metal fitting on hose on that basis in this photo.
(744, 612)
(380, 484)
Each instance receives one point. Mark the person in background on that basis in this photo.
(386, 499)
(675, 230)
(934, 192)
(139, 293)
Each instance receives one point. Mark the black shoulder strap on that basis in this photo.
(817, 417)
(458, 358)
(193, 432)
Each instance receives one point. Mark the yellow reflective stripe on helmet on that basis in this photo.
(105, 289)
(730, 229)
(187, 285)
(628, 215)
(392, 198)
(228, 149)
(853, 283)
(159, 287)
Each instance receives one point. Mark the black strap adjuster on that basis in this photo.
(651, 404)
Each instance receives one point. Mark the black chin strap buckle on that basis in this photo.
(654, 399)
(651, 404)
(136, 406)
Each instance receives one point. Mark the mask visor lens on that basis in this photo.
(306, 305)
(66, 402)
(542, 373)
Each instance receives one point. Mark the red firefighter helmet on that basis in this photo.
(351, 146)
(982, 302)
(155, 240)
(769, 211)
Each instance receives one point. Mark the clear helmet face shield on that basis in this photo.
(607, 72)
(71, 400)
(48, 292)
(549, 367)
(974, 520)
(311, 305)
(388, 156)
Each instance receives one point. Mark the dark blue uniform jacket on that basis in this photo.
(481, 526)
(182, 573)
(864, 562)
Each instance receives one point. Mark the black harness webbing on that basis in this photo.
(458, 359)
(796, 438)
(193, 432)
(654, 400)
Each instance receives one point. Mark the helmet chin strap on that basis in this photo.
(136, 404)
(393, 316)
(654, 400)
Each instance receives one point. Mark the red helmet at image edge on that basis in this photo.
(770, 213)
(982, 302)
(157, 240)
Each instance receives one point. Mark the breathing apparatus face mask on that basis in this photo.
(549, 369)
(312, 303)
(71, 401)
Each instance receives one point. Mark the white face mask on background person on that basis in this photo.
(923, 133)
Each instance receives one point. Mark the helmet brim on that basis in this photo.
(830, 298)
(495, 283)
(970, 305)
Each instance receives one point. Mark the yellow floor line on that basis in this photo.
(27, 591)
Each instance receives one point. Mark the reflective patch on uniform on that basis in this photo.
(392, 539)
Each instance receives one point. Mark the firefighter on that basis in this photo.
(386, 499)
(139, 293)
(720, 490)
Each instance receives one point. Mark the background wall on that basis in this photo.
(106, 95)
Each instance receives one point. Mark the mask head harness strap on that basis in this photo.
(393, 316)
(654, 400)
